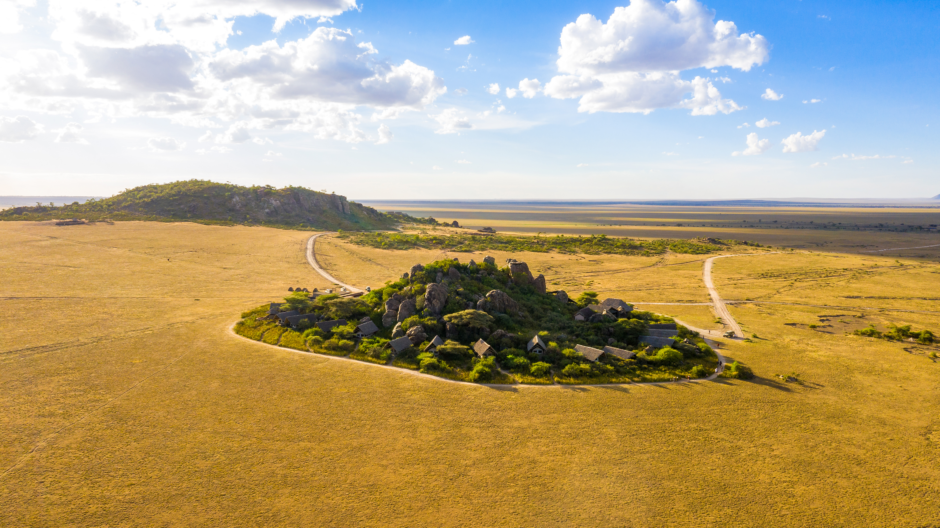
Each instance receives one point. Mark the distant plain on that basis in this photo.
(127, 401)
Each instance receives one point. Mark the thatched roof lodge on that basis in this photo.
(399, 344)
(367, 329)
(536, 345)
(619, 352)
(432, 346)
(590, 354)
(483, 349)
(327, 326)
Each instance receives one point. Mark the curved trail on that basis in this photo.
(312, 259)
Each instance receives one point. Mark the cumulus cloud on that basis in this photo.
(71, 133)
(165, 144)
(9, 15)
(451, 121)
(853, 157)
(632, 62)
(493, 89)
(818, 164)
(463, 41)
(766, 123)
(812, 101)
(18, 129)
(755, 146)
(800, 143)
(771, 95)
(744, 125)
(511, 92)
(168, 59)
(385, 135)
(530, 87)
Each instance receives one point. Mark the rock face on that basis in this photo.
(539, 284)
(416, 334)
(490, 260)
(519, 271)
(440, 277)
(406, 310)
(389, 318)
(392, 304)
(397, 331)
(453, 274)
(500, 301)
(435, 298)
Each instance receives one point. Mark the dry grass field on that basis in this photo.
(126, 401)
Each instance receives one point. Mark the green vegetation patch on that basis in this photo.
(898, 333)
(462, 304)
(591, 245)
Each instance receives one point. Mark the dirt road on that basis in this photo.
(312, 259)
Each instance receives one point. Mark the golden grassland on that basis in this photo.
(127, 400)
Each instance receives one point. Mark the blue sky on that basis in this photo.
(95, 98)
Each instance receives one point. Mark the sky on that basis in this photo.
(472, 100)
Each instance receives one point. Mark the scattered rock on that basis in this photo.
(416, 334)
(519, 271)
(501, 302)
(404, 275)
(398, 332)
(406, 310)
(453, 274)
(489, 260)
(455, 224)
(472, 264)
(451, 331)
(539, 284)
(435, 298)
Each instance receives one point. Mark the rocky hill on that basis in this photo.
(209, 202)
(480, 322)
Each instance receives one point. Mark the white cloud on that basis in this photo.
(670, 153)
(907, 161)
(71, 133)
(165, 144)
(237, 133)
(461, 91)
(385, 135)
(818, 164)
(824, 17)
(436, 168)
(530, 87)
(771, 95)
(493, 89)
(9, 15)
(632, 62)
(580, 165)
(18, 129)
(511, 93)
(853, 157)
(812, 101)
(800, 143)
(744, 125)
(766, 123)
(452, 121)
(463, 162)
(755, 146)
(464, 40)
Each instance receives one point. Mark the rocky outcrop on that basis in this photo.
(489, 260)
(398, 331)
(453, 274)
(416, 334)
(499, 301)
(539, 284)
(451, 331)
(519, 271)
(435, 298)
(562, 296)
(389, 318)
(406, 310)
(415, 269)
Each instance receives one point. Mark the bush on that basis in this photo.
(375, 347)
(517, 363)
(428, 363)
(698, 371)
(577, 370)
(454, 350)
(540, 369)
(668, 356)
(738, 370)
(484, 370)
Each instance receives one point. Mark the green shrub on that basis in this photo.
(668, 356)
(428, 363)
(484, 370)
(737, 370)
(870, 331)
(577, 370)
(540, 369)
(517, 363)
(698, 371)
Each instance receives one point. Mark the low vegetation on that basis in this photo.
(898, 333)
(465, 303)
(223, 204)
(590, 245)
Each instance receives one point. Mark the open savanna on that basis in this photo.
(127, 401)
(823, 228)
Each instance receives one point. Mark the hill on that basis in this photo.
(481, 323)
(210, 202)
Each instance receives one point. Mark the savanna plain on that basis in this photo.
(128, 401)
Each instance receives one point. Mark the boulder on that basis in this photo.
(417, 334)
(415, 269)
(397, 332)
(404, 275)
(482, 305)
(539, 284)
(501, 302)
(440, 277)
(472, 264)
(561, 296)
(389, 318)
(453, 273)
(519, 271)
(489, 260)
(497, 335)
(435, 298)
(406, 310)
(451, 331)
(392, 305)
